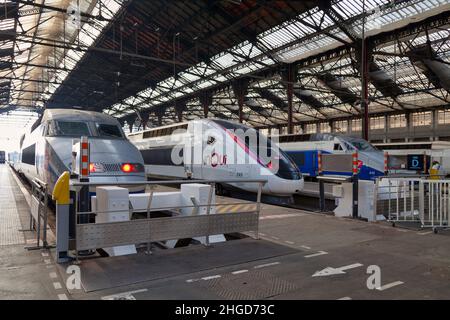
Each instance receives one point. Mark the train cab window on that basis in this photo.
(108, 130)
(337, 147)
(66, 128)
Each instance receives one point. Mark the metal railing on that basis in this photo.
(422, 201)
(39, 212)
(240, 217)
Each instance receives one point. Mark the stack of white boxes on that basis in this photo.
(112, 205)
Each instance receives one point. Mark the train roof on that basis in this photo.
(77, 115)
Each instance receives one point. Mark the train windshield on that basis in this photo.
(89, 129)
(360, 144)
(70, 128)
(108, 130)
(263, 148)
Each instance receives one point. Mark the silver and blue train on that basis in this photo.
(45, 152)
(303, 149)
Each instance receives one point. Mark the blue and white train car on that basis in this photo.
(303, 149)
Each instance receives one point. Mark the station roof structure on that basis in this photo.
(260, 62)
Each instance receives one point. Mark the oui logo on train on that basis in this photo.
(216, 159)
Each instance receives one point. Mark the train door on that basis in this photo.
(193, 154)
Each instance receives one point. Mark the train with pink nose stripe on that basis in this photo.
(216, 149)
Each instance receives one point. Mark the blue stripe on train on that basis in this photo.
(306, 161)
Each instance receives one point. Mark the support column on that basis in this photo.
(206, 101)
(365, 89)
(144, 120)
(180, 106)
(289, 77)
(159, 114)
(240, 88)
(130, 123)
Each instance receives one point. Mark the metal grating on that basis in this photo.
(249, 286)
(101, 235)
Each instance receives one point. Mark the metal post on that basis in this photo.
(258, 207)
(62, 232)
(355, 187)
(44, 235)
(321, 182)
(149, 244)
(375, 199)
(208, 209)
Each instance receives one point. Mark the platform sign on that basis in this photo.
(416, 162)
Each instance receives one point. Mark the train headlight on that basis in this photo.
(96, 167)
(132, 167)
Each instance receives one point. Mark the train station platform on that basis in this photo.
(300, 255)
(25, 274)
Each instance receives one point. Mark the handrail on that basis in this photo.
(158, 182)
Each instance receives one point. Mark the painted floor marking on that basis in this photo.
(62, 296)
(320, 253)
(345, 298)
(306, 247)
(281, 216)
(390, 285)
(57, 285)
(329, 271)
(266, 265)
(53, 275)
(212, 277)
(123, 294)
(239, 271)
(424, 233)
(289, 242)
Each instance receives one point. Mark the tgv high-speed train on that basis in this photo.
(217, 149)
(46, 151)
(302, 148)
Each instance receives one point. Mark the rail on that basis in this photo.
(419, 201)
(39, 212)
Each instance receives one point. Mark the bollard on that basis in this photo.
(355, 185)
(84, 177)
(321, 183)
(61, 196)
(386, 162)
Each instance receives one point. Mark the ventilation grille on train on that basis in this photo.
(109, 167)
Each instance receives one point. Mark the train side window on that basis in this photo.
(337, 147)
(29, 155)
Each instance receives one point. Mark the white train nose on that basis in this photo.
(283, 186)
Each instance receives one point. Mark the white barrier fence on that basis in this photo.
(414, 200)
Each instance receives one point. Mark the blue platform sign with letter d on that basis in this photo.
(415, 162)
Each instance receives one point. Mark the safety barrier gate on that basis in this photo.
(231, 217)
(39, 213)
(414, 200)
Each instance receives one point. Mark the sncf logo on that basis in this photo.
(360, 164)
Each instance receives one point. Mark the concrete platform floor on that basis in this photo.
(413, 265)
